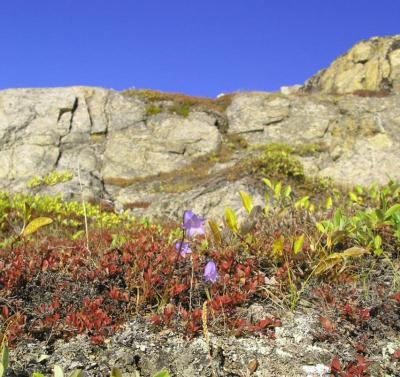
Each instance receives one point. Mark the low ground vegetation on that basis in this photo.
(71, 268)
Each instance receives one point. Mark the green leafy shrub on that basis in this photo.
(278, 160)
(50, 179)
(153, 110)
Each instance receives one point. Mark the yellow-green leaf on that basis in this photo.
(246, 200)
(76, 373)
(277, 190)
(392, 210)
(353, 197)
(277, 246)
(298, 244)
(231, 220)
(115, 372)
(320, 227)
(302, 203)
(326, 265)
(215, 231)
(329, 203)
(162, 373)
(76, 235)
(4, 358)
(267, 182)
(35, 225)
(377, 241)
(58, 372)
(333, 259)
(287, 191)
(354, 251)
(359, 189)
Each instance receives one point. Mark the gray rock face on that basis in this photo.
(115, 144)
(123, 144)
(361, 134)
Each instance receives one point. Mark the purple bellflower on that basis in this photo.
(210, 272)
(193, 224)
(183, 248)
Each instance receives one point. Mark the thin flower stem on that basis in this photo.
(191, 283)
(177, 257)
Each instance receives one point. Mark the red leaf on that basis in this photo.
(5, 312)
(360, 347)
(169, 311)
(362, 365)
(327, 324)
(97, 339)
(364, 314)
(348, 310)
(396, 296)
(177, 289)
(396, 355)
(155, 319)
(197, 314)
(335, 365)
(263, 323)
(45, 265)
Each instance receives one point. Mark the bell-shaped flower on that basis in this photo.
(193, 224)
(210, 272)
(182, 248)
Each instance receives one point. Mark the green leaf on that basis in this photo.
(302, 203)
(115, 372)
(215, 231)
(76, 373)
(320, 227)
(4, 359)
(277, 190)
(277, 246)
(231, 220)
(328, 204)
(35, 225)
(2, 370)
(333, 259)
(298, 244)
(77, 234)
(392, 210)
(287, 192)
(353, 197)
(377, 241)
(267, 182)
(353, 252)
(162, 373)
(246, 200)
(325, 265)
(58, 372)
(36, 374)
(359, 189)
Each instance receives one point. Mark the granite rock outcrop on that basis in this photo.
(371, 65)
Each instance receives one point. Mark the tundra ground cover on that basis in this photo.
(340, 253)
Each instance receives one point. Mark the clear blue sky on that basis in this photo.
(201, 47)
